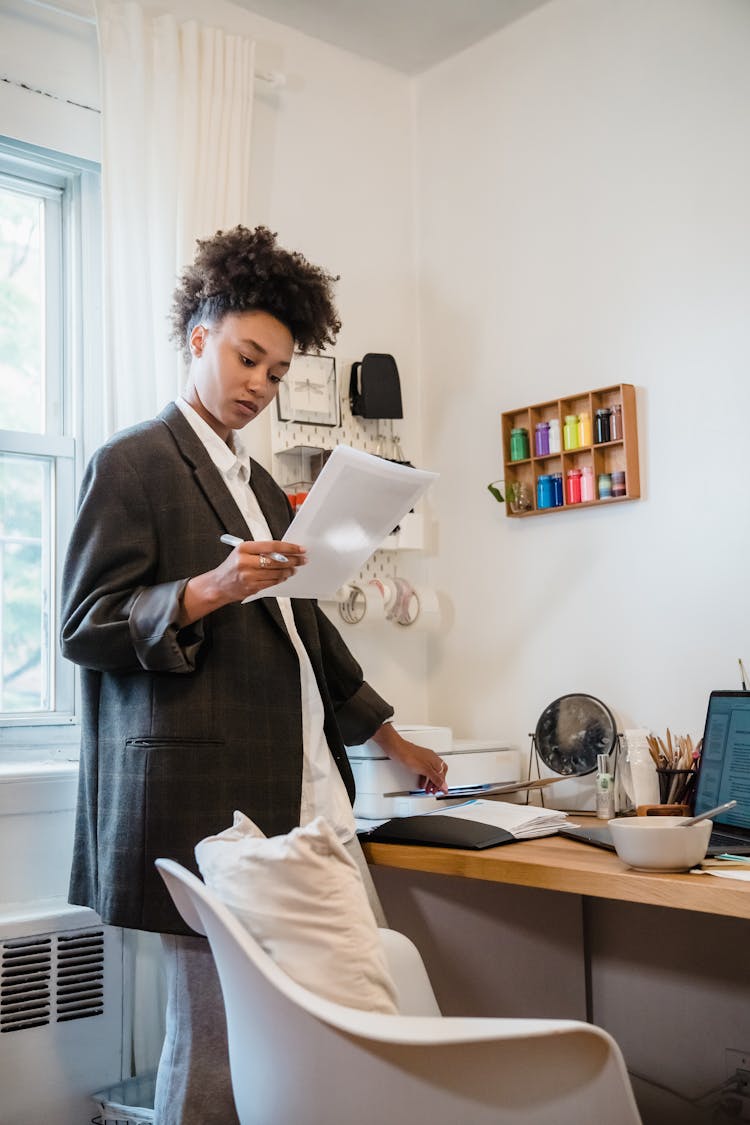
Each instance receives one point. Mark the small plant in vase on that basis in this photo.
(517, 491)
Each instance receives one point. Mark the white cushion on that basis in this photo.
(302, 898)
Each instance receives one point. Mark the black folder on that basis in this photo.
(438, 832)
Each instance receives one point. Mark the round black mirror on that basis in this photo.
(571, 731)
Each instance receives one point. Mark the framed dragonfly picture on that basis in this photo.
(309, 392)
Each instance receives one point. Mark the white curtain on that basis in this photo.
(177, 103)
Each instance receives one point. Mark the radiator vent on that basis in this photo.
(51, 978)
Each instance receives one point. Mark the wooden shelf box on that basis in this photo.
(620, 455)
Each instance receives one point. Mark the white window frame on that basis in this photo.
(71, 188)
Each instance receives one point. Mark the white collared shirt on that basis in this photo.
(323, 789)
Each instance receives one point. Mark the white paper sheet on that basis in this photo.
(354, 504)
(734, 873)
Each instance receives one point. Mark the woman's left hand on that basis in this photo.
(429, 766)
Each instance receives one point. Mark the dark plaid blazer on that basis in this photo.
(183, 726)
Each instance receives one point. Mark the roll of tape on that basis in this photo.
(405, 609)
(353, 607)
(375, 603)
(379, 586)
(390, 594)
(362, 603)
(429, 617)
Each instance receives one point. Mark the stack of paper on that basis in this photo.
(354, 504)
(521, 821)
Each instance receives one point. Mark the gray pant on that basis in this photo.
(193, 1083)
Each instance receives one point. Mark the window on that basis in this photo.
(47, 217)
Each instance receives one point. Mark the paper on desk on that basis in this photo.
(735, 873)
(519, 820)
(354, 504)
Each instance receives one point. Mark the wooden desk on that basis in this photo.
(495, 940)
(556, 864)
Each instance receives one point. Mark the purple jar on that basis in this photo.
(541, 439)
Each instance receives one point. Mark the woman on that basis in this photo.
(195, 704)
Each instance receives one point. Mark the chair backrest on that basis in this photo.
(414, 990)
(297, 1059)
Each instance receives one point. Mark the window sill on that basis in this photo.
(21, 746)
(19, 768)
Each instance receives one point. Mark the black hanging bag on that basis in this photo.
(375, 388)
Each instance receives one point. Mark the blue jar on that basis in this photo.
(544, 492)
(557, 490)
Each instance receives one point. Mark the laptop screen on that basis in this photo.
(725, 758)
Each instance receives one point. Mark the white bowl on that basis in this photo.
(656, 843)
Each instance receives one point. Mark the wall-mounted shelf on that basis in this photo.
(602, 458)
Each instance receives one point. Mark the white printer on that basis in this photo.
(470, 762)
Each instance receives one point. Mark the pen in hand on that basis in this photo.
(235, 541)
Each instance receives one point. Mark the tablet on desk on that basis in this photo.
(597, 834)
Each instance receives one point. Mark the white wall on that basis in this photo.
(583, 220)
(331, 172)
(56, 59)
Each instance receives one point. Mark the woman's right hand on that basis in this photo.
(248, 569)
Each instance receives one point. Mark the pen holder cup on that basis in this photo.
(676, 786)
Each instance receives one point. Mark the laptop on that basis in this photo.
(724, 775)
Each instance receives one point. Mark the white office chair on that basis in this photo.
(297, 1059)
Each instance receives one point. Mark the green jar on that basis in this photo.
(519, 444)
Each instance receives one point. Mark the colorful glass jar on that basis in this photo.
(587, 484)
(605, 486)
(584, 428)
(601, 425)
(544, 492)
(615, 423)
(541, 439)
(557, 490)
(570, 431)
(554, 435)
(574, 486)
(519, 444)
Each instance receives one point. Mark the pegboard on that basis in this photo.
(373, 435)
(293, 444)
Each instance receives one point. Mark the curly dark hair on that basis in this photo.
(242, 270)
